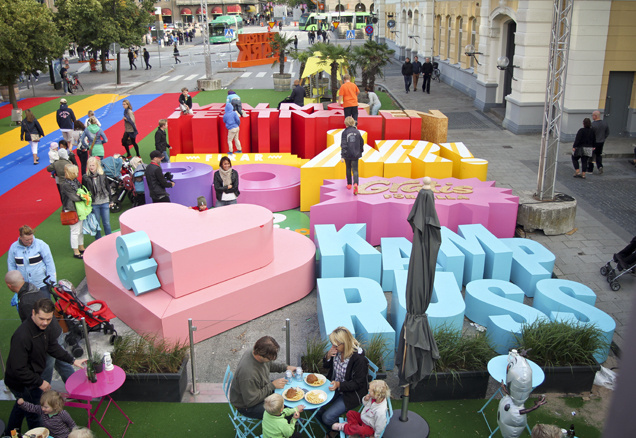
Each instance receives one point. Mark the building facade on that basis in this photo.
(191, 12)
(601, 63)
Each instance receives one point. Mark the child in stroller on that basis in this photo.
(625, 261)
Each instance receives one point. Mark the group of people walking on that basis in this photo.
(412, 70)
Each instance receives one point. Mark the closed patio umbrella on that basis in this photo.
(417, 350)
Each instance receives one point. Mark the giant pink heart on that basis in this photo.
(227, 264)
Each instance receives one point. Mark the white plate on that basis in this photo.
(295, 399)
(38, 431)
(319, 393)
(321, 380)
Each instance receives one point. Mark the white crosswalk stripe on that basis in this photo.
(161, 79)
(261, 74)
(189, 78)
(176, 78)
(247, 74)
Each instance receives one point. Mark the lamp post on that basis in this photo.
(206, 40)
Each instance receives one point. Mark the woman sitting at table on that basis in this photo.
(348, 370)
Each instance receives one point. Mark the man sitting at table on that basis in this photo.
(251, 384)
(30, 343)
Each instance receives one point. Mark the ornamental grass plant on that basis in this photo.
(558, 343)
(461, 352)
(311, 361)
(148, 354)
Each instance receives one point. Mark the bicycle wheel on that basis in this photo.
(79, 84)
(71, 88)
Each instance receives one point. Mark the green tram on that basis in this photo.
(353, 20)
(219, 25)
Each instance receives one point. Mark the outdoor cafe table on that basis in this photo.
(80, 388)
(308, 415)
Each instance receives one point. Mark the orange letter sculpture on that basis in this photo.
(254, 49)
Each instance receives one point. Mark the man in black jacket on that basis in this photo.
(417, 69)
(161, 142)
(157, 183)
(427, 72)
(407, 72)
(27, 358)
(298, 94)
(66, 120)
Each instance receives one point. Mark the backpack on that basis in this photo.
(351, 144)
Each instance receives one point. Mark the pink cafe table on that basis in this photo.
(79, 388)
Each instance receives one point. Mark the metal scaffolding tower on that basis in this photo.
(554, 95)
(206, 39)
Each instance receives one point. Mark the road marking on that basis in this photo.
(189, 78)
(261, 74)
(247, 74)
(176, 78)
(162, 78)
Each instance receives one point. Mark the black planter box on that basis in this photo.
(154, 387)
(570, 379)
(451, 386)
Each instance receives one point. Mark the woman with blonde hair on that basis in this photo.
(31, 131)
(95, 181)
(95, 138)
(130, 131)
(69, 187)
(348, 370)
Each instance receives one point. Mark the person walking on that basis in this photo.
(157, 182)
(176, 54)
(65, 120)
(407, 72)
(583, 147)
(147, 59)
(58, 167)
(72, 201)
(427, 73)
(96, 183)
(296, 43)
(351, 145)
(130, 134)
(161, 142)
(95, 137)
(374, 101)
(81, 148)
(131, 59)
(417, 69)
(601, 132)
(31, 131)
(348, 97)
(232, 124)
(32, 257)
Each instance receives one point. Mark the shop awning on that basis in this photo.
(186, 11)
(200, 11)
(166, 11)
(250, 9)
(217, 10)
(233, 9)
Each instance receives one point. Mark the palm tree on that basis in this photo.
(376, 57)
(279, 45)
(302, 58)
(334, 56)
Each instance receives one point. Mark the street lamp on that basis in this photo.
(469, 50)
(503, 64)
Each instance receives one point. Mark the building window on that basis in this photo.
(449, 34)
(460, 38)
(473, 39)
(439, 35)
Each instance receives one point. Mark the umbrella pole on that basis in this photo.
(405, 404)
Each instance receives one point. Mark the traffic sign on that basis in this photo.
(369, 30)
(271, 24)
(335, 24)
(229, 33)
(351, 35)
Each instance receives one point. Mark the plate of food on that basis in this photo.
(293, 394)
(315, 379)
(316, 396)
(38, 432)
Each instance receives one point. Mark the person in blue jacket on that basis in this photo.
(32, 257)
(66, 121)
(232, 122)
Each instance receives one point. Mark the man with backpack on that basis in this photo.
(351, 145)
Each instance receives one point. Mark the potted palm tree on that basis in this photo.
(336, 58)
(279, 44)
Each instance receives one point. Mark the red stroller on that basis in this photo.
(73, 309)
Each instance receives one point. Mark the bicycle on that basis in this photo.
(436, 73)
(74, 83)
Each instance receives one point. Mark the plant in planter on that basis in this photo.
(155, 368)
(97, 364)
(279, 45)
(461, 370)
(565, 351)
(311, 361)
(376, 349)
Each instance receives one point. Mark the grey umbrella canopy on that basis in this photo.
(417, 350)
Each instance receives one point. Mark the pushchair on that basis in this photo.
(625, 261)
(73, 310)
(120, 181)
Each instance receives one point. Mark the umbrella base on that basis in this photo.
(415, 426)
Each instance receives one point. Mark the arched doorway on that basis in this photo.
(340, 8)
(360, 7)
(509, 50)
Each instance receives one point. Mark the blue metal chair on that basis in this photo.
(373, 370)
(244, 426)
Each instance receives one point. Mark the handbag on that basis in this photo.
(69, 217)
(577, 152)
(35, 137)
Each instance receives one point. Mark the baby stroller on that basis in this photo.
(625, 261)
(119, 176)
(436, 73)
(73, 309)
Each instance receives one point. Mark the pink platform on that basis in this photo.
(384, 204)
(273, 186)
(263, 269)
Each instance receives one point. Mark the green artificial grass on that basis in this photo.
(447, 419)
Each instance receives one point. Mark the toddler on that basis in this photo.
(278, 421)
(372, 421)
(81, 432)
(91, 113)
(53, 156)
(51, 409)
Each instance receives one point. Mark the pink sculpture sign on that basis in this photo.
(384, 204)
